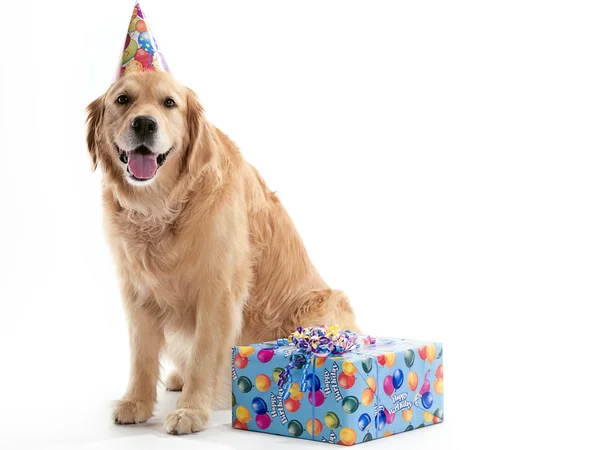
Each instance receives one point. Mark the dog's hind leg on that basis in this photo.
(174, 381)
(177, 346)
(325, 307)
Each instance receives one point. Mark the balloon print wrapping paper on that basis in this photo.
(375, 391)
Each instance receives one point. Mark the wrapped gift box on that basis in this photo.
(374, 391)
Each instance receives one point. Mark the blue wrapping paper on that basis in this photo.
(375, 391)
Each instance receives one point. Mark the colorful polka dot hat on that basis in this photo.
(140, 52)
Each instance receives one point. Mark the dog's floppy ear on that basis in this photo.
(201, 147)
(194, 117)
(95, 112)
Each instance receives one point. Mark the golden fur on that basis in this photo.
(206, 254)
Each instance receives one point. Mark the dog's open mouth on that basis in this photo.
(142, 163)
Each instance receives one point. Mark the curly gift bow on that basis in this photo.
(310, 343)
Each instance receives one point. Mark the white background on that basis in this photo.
(440, 160)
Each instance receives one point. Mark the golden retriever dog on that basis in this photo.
(206, 254)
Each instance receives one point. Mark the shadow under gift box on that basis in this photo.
(375, 391)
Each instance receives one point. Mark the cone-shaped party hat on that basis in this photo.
(140, 53)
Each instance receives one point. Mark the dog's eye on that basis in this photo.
(122, 99)
(169, 102)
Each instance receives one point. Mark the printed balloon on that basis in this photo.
(300, 359)
(367, 364)
(367, 396)
(438, 386)
(387, 433)
(244, 385)
(389, 417)
(388, 385)
(409, 358)
(427, 400)
(295, 392)
(312, 382)
(291, 405)
(133, 24)
(346, 381)
(320, 361)
(381, 360)
(427, 416)
(314, 427)
(239, 425)
(265, 355)
(146, 59)
(372, 383)
(244, 351)
(413, 381)
(134, 66)
(140, 26)
(317, 399)
(407, 414)
(423, 352)
(347, 436)
(259, 406)
(240, 361)
(262, 382)
(380, 420)
(439, 373)
(350, 404)
(438, 415)
(364, 421)
(129, 50)
(430, 352)
(368, 437)
(242, 414)
(390, 359)
(409, 428)
(146, 42)
(276, 372)
(232, 400)
(295, 428)
(348, 368)
(426, 384)
(397, 378)
(332, 420)
(263, 421)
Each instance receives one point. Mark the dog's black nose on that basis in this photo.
(144, 125)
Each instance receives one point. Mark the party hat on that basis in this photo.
(140, 52)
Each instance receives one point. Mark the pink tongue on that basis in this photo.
(142, 165)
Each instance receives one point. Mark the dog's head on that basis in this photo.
(142, 125)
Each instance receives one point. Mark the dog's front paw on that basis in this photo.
(131, 411)
(185, 421)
